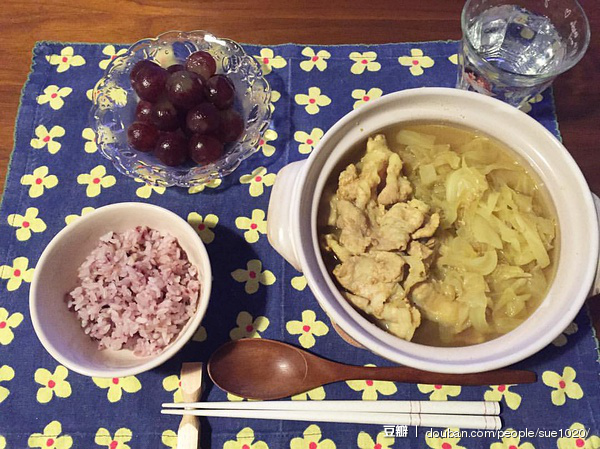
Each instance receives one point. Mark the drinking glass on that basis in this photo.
(513, 49)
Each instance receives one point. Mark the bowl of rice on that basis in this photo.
(120, 290)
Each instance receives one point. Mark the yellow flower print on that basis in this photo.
(17, 273)
(455, 58)
(268, 61)
(173, 383)
(200, 334)
(95, 180)
(7, 323)
(116, 386)
(299, 282)
(53, 95)
(275, 96)
(270, 135)
(6, 374)
(577, 439)
(2, 442)
(112, 53)
(383, 441)
(512, 441)
(526, 107)
(203, 226)
(72, 217)
(257, 180)
(51, 438)
(497, 392)
(254, 226)
(46, 138)
(561, 340)
(90, 146)
(210, 184)
(66, 59)
(362, 96)
(313, 100)
(253, 276)
(307, 328)
(372, 388)
(169, 439)
(248, 327)
(52, 384)
(38, 181)
(439, 392)
(311, 439)
(308, 141)
(364, 61)
(416, 61)
(26, 224)
(316, 394)
(444, 443)
(565, 385)
(146, 189)
(245, 440)
(318, 60)
(122, 436)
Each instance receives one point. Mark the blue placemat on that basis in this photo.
(56, 174)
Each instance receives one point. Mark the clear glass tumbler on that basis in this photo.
(513, 49)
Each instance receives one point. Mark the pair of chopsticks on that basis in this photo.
(460, 414)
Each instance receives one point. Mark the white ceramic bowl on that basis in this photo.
(56, 274)
(294, 203)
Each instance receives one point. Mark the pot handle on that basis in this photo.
(279, 216)
(596, 284)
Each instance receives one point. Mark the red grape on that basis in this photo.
(165, 115)
(175, 68)
(143, 111)
(185, 89)
(232, 125)
(205, 149)
(220, 91)
(171, 149)
(201, 63)
(149, 81)
(203, 119)
(140, 65)
(142, 136)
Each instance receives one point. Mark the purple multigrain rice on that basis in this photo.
(137, 290)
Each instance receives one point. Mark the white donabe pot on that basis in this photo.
(293, 208)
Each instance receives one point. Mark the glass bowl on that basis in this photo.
(114, 103)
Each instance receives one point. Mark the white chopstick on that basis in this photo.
(485, 422)
(385, 406)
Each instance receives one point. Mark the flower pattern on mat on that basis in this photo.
(253, 275)
(51, 438)
(55, 383)
(169, 439)
(269, 136)
(203, 226)
(316, 394)
(454, 58)
(46, 138)
(362, 96)
(372, 388)
(173, 383)
(499, 392)
(145, 191)
(444, 443)
(91, 145)
(117, 385)
(308, 328)
(313, 101)
(53, 95)
(561, 340)
(16, 274)
(2, 442)
(299, 282)
(275, 96)
(308, 141)
(576, 439)
(439, 392)
(72, 217)
(364, 61)
(245, 440)
(512, 441)
(382, 441)
(8, 322)
(119, 441)
(318, 59)
(112, 53)
(268, 61)
(258, 179)
(200, 334)
(26, 224)
(96, 179)
(65, 60)
(234, 398)
(312, 439)
(564, 385)
(213, 184)
(248, 327)
(416, 61)
(254, 226)
(6, 374)
(38, 181)
(527, 106)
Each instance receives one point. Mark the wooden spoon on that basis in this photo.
(267, 369)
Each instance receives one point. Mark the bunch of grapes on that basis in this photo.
(185, 111)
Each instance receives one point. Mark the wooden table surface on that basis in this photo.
(22, 23)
